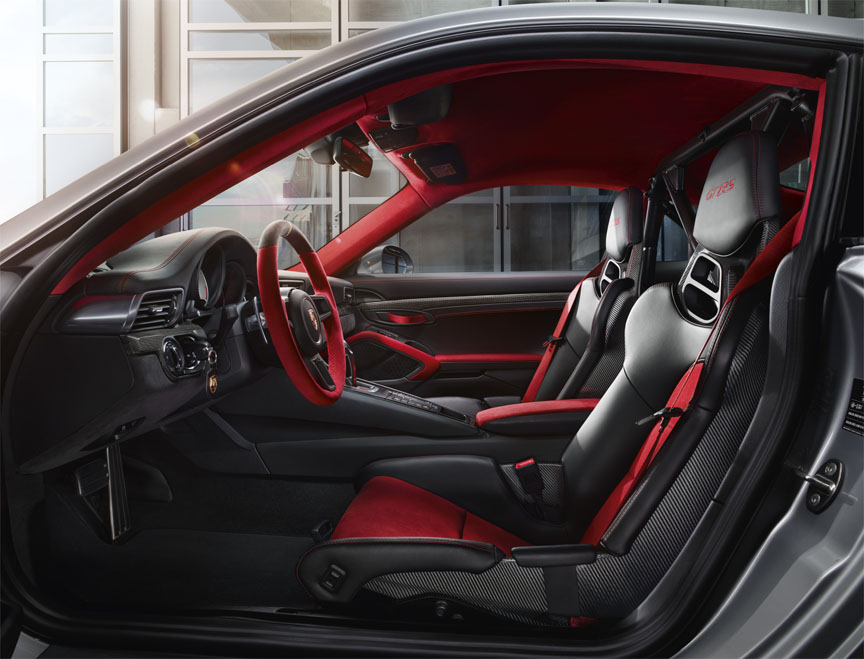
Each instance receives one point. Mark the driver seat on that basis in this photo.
(586, 350)
(637, 478)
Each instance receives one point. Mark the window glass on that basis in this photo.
(672, 245)
(270, 40)
(456, 237)
(554, 227)
(515, 229)
(211, 79)
(78, 44)
(69, 157)
(797, 176)
(259, 11)
(302, 191)
(79, 94)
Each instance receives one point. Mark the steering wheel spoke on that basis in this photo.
(322, 305)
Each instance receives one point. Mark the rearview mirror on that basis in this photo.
(386, 260)
(351, 157)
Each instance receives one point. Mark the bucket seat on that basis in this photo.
(586, 350)
(649, 463)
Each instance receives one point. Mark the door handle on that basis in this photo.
(407, 319)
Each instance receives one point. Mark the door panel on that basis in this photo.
(470, 335)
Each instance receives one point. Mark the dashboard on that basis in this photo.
(157, 332)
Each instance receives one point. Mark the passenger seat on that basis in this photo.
(586, 350)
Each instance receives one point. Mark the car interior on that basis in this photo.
(201, 423)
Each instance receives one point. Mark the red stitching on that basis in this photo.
(161, 265)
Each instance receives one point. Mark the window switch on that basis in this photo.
(332, 578)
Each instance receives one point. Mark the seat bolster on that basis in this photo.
(475, 484)
(363, 559)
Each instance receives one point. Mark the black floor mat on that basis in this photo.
(221, 541)
(168, 568)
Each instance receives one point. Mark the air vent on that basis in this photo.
(157, 309)
(292, 283)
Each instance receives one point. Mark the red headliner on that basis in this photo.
(595, 128)
(595, 123)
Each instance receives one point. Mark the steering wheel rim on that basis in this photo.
(296, 359)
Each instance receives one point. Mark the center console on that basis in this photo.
(402, 398)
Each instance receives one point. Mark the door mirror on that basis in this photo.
(351, 157)
(386, 260)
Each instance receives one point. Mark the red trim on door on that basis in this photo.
(414, 319)
(535, 408)
(430, 363)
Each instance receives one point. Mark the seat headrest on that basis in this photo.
(741, 190)
(625, 223)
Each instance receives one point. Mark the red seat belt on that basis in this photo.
(552, 343)
(763, 265)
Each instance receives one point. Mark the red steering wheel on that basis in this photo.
(302, 326)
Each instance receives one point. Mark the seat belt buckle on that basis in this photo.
(528, 473)
(663, 415)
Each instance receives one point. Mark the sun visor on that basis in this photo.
(441, 163)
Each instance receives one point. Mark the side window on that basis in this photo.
(796, 176)
(514, 229)
(672, 243)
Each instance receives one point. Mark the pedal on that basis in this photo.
(102, 486)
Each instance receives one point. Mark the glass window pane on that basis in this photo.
(357, 33)
(404, 10)
(295, 188)
(315, 220)
(384, 182)
(259, 11)
(557, 227)
(69, 157)
(77, 13)
(292, 179)
(798, 6)
(453, 238)
(270, 40)
(797, 176)
(79, 94)
(78, 44)
(672, 244)
(210, 80)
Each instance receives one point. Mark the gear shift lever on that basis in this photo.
(350, 367)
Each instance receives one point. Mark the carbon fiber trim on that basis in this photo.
(553, 483)
(614, 585)
(612, 359)
(427, 303)
(634, 264)
(507, 590)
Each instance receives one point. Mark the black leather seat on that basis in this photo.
(454, 527)
(590, 352)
